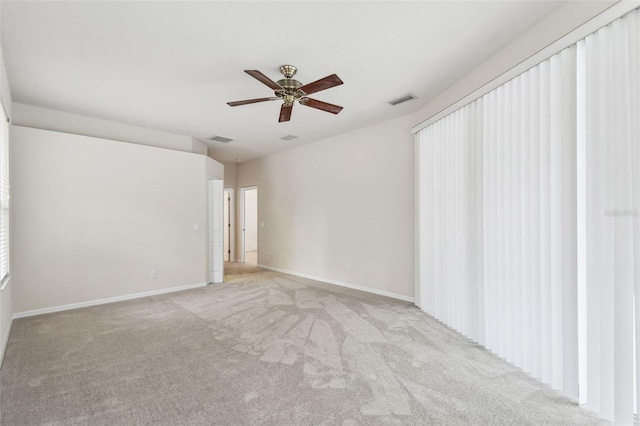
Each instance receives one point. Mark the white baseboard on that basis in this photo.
(34, 312)
(341, 284)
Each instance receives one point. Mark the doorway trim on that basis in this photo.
(241, 207)
(232, 223)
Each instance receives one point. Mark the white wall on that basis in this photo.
(6, 296)
(92, 217)
(49, 119)
(198, 147)
(213, 169)
(230, 171)
(347, 200)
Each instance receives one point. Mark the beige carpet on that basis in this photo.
(263, 348)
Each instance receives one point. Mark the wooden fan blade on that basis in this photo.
(263, 79)
(324, 106)
(285, 112)
(323, 84)
(251, 101)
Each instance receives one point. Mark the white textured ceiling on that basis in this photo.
(173, 65)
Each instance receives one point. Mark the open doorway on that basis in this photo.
(229, 240)
(249, 198)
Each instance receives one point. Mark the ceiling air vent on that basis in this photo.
(288, 137)
(401, 99)
(219, 138)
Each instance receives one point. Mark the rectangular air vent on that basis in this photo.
(288, 137)
(219, 138)
(401, 99)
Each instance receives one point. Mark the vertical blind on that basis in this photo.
(612, 175)
(498, 212)
(497, 244)
(449, 190)
(4, 194)
(529, 233)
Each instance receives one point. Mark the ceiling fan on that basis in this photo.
(289, 91)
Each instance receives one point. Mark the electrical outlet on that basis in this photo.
(368, 271)
(348, 267)
(271, 255)
(154, 274)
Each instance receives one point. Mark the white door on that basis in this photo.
(216, 233)
(227, 226)
(249, 211)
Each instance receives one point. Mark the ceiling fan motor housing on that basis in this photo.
(289, 84)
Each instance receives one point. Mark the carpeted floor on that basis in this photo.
(263, 348)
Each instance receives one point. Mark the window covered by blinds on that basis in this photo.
(4, 195)
(529, 220)
(497, 221)
(612, 175)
